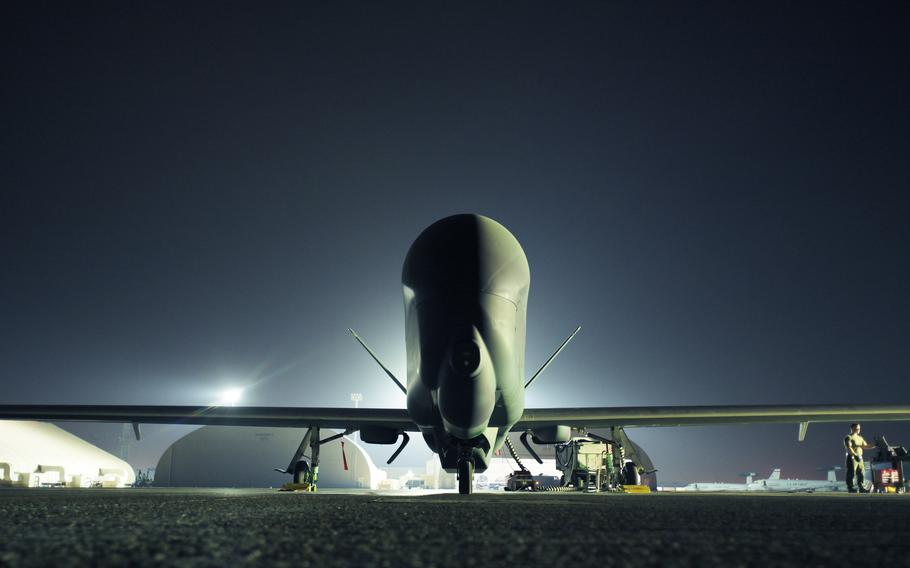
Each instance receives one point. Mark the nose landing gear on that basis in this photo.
(464, 457)
(465, 476)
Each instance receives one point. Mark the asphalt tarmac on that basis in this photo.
(168, 527)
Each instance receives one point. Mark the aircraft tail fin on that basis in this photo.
(748, 475)
(831, 471)
(378, 362)
(775, 474)
(553, 356)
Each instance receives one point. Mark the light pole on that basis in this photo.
(356, 397)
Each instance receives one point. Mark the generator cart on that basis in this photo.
(592, 463)
(887, 464)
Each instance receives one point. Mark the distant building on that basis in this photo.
(36, 454)
(233, 456)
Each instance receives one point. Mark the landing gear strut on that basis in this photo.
(314, 458)
(306, 473)
(465, 475)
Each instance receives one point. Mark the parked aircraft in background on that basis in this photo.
(713, 486)
(774, 483)
(465, 282)
(718, 486)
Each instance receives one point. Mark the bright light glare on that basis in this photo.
(230, 397)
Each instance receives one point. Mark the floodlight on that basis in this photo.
(230, 397)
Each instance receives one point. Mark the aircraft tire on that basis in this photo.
(465, 477)
(301, 472)
(630, 474)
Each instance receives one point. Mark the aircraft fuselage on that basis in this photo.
(466, 281)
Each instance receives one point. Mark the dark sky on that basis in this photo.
(202, 196)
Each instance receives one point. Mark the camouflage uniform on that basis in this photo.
(854, 443)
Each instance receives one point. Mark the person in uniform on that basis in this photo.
(855, 444)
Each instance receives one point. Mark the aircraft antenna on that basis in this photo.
(378, 362)
(553, 356)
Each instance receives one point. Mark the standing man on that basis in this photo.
(855, 444)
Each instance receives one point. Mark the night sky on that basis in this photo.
(203, 195)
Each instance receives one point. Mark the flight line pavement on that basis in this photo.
(174, 527)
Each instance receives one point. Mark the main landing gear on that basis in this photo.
(306, 473)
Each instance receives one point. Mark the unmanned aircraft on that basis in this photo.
(465, 281)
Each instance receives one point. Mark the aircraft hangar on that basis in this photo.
(232, 456)
(36, 454)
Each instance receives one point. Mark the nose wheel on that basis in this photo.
(465, 476)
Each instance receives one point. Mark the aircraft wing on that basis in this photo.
(629, 416)
(274, 416)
